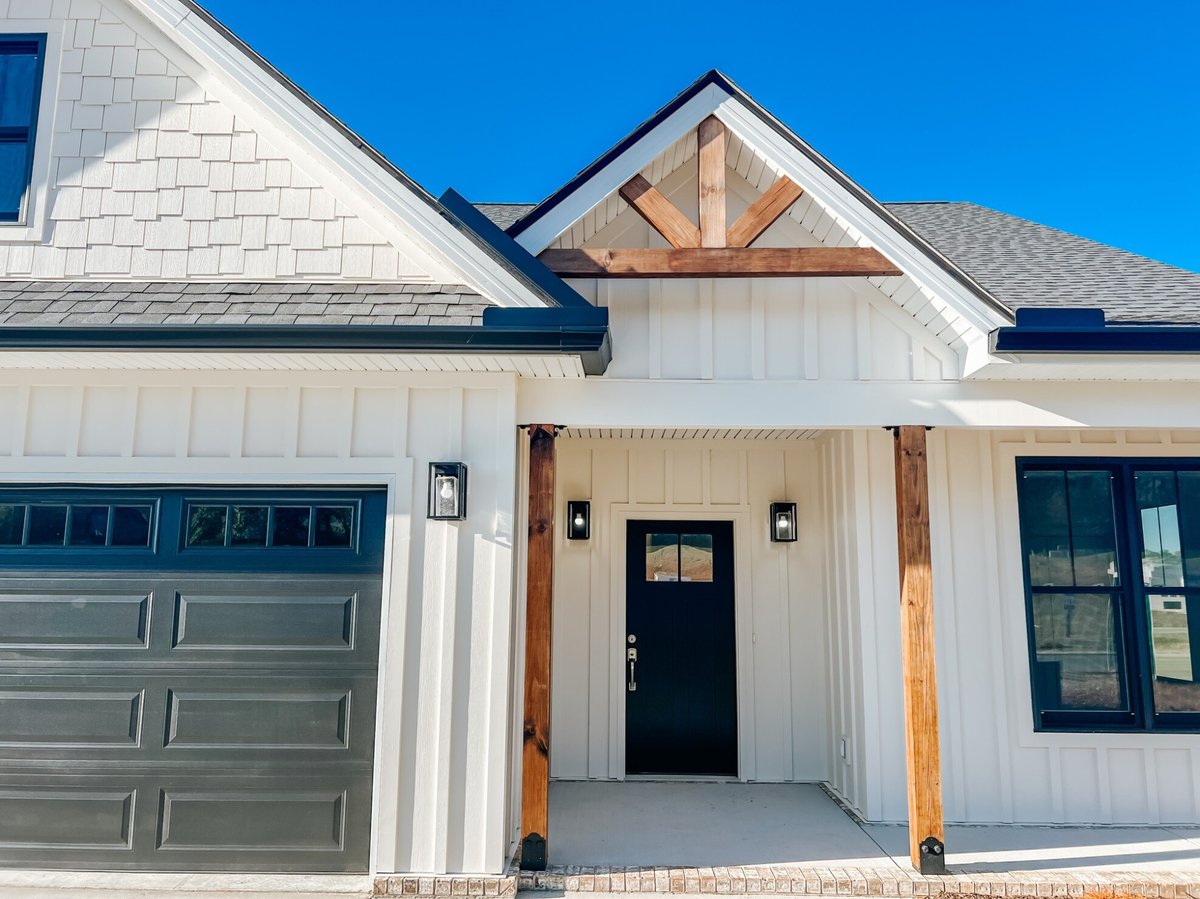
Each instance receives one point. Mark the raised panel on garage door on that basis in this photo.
(188, 677)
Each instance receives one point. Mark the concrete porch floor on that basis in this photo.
(683, 825)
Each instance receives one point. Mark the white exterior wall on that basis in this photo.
(445, 677)
(147, 167)
(995, 768)
(782, 697)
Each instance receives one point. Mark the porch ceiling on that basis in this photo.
(577, 433)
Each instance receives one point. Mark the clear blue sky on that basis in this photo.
(1080, 115)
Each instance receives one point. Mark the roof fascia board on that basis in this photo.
(537, 231)
(263, 88)
(530, 267)
(587, 339)
(1135, 340)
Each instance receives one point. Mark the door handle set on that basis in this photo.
(631, 671)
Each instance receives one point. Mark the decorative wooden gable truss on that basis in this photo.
(714, 248)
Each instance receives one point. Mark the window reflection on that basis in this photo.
(1158, 509)
(1069, 529)
(1078, 657)
(662, 557)
(696, 557)
(1173, 635)
(12, 525)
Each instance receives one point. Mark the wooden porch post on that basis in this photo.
(539, 587)
(926, 832)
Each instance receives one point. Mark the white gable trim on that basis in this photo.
(402, 204)
(550, 227)
(879, 232)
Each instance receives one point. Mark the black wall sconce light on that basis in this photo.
(579, 519)
(783, 522)
(447, 491)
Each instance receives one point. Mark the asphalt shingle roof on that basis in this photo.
(172, 303)
(1024, 264)
(1021, 263)
(504, 214)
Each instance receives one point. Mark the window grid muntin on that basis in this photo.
(1137, 631)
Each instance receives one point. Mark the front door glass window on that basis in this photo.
(679, 558)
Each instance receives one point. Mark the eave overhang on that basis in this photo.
(506, 331)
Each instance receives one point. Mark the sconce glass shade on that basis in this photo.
(579, 519)
(783, 523)
(447, 491)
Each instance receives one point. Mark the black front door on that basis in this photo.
(680, 660)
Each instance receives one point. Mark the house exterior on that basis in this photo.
(336, 520)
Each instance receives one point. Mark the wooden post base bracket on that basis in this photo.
(933, 856)
(533, 852)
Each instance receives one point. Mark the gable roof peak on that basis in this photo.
(714, 92)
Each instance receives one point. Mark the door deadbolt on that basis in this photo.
(632, 638)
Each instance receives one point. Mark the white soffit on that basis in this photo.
(378, 192)
(531, 366)
(1089, 367)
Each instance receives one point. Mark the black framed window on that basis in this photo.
(1112, 572)
(21, 61)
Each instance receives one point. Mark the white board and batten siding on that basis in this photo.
(749, 329)
(995, 767)
(445, 676)
(783, 704)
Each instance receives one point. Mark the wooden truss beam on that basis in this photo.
(660, 213)
(729, 262)
(926, 830)
(539, 587)
(712, 142)
(763, 212)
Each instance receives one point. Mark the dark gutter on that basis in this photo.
(539, 278)
(573, 335)
(1071, 331)
(350, 135)
(715, 77)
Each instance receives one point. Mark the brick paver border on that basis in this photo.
(801, 881)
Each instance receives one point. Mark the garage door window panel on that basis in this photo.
(85, 526)
(274, 526)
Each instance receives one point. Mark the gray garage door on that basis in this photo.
(187, 678)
